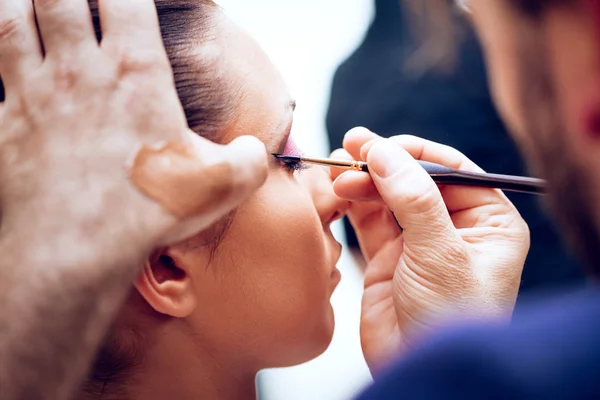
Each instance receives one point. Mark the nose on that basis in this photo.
(329, 206)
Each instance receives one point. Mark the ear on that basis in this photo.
(166, 284)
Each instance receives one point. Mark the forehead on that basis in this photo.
(263, 106)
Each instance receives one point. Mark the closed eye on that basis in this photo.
(293, 166)
(292, 150)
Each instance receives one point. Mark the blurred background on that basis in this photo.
(346, 62)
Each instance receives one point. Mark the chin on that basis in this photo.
(312, 345)
(325, 336)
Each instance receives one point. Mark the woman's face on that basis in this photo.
(264, 293)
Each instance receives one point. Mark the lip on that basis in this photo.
(336, 275)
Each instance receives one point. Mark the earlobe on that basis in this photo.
(166, 286)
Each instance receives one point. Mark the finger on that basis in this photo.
(373, 222)
(216, 181)
(382, 266)
(358, 186)
(130, 25)
(338, 154)
(240, 167)
(355, 139)
(20, 50)
(426, 150)
(374, 225)
(411, 195)
(456, 198)
(355, 186)
(351, 185)
(65, 27)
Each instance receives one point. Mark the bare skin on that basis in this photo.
(65, 202)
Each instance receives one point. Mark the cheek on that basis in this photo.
(275, 266)
(282, 221)
(283, 238)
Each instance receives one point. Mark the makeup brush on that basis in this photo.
(440, 174)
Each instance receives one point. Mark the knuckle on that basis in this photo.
(458, 256)
(421, 201)
(11, 28)
(135, 62)
(66, 74)
(219, 180)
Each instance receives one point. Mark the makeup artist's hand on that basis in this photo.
(97, 167)
(459, 257)
(99, 132)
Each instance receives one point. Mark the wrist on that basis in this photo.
(58, 281)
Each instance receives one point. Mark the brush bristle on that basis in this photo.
(286, 157)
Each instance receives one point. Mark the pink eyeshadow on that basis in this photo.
(291, 149)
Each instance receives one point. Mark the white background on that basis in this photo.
(306, 40)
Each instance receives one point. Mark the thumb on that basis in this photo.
(201, 183)
(235, 170)
(412, 196)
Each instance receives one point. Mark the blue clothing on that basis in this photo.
(548, 352)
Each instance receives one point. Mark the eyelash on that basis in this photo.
(293, 166)
(292, 150)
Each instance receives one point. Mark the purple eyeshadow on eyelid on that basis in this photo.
(291, 149)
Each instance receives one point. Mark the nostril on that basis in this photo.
(335, 216)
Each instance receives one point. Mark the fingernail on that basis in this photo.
(358, 130)
(340, 153)
(384, 158)
(364, 150)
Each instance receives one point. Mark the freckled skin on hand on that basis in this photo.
(169, 174)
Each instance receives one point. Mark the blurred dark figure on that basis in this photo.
(373, 89)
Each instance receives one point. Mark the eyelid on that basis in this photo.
(291, 149)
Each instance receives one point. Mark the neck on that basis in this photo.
(191, 383)
(174, 367)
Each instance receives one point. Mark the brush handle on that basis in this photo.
(442, 175)
(448, 176)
